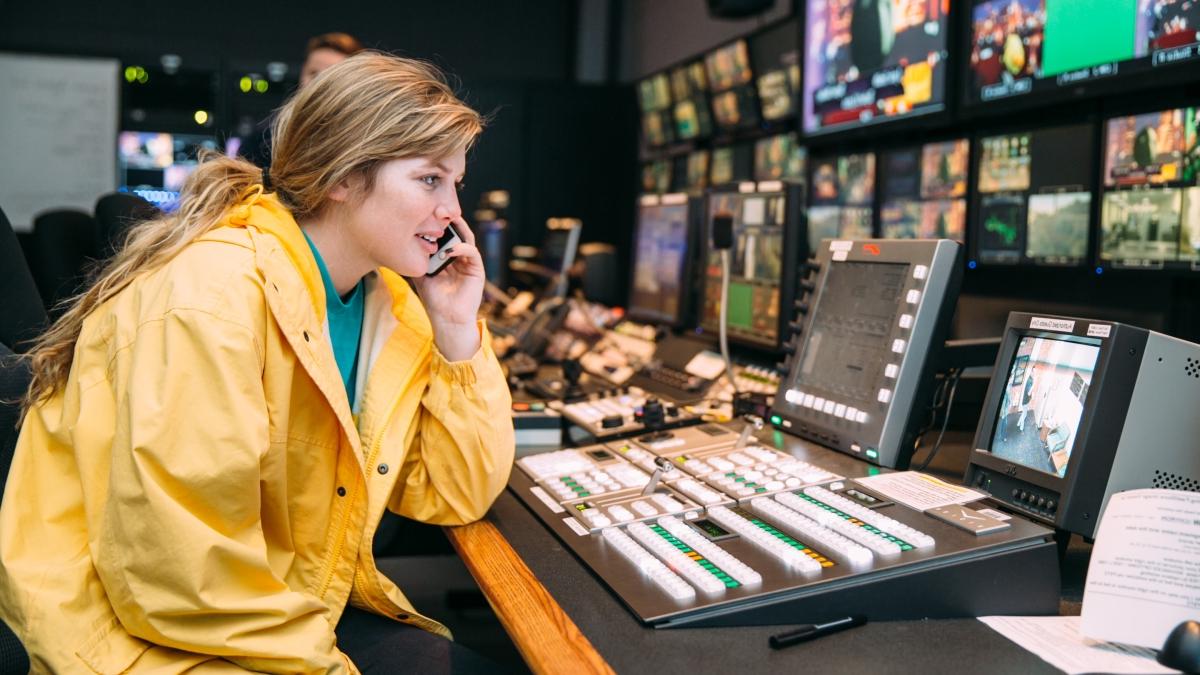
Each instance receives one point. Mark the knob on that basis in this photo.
(1016, 492)
(801, 306)
(1050, 505)
(1041, 502)
(807, 285)
(795, 326)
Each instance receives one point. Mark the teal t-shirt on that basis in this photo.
(345, 323)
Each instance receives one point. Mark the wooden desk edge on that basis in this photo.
(548, 640)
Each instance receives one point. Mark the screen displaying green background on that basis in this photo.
(1082, 33)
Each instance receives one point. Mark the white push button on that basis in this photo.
(885, 395)
(898, 346)
(906, 320)
(913, 297)
(862, 417)
(891, 370)
(920, 272)
(829, 405)
(793, 396)
(840, 410)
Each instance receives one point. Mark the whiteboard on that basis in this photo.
(58, 133)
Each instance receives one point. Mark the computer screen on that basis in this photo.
(656, 176)
(654, 98)
(154, 165)
(1033, 197)
(660, 251)
(731, 86)
(1150, 213)
(842, 198)
(1047, 386)
(759, 261)
(923, 191)
(689, 89)
(780, 157)
(731, 163)
(697, 169)
(775, 54)
(1021, 48)
(870, 61)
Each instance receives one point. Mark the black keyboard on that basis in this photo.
(675, 384)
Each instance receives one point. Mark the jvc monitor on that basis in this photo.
(862, 372)
(659, 290)
(1080, 409)
(767, 231)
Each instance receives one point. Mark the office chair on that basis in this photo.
(115, 213)
(14, 381)
(24, 315)
(65, 241)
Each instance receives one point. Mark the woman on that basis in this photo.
(216, 426)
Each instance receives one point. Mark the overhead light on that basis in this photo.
(261, 86)
(276, 71)
(201, 117)
(245, 84)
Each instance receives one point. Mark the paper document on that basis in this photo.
(706, 364)
(1144, 576)
(1056, 640)
(918, 490)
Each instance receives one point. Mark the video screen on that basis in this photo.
(731, 87)
(779, 157)
(756, 266)
(1043, 401)
(1150, 214)
(697, 170)
(656, 129)
(776, 60)
(660, 254)
(154, 166)
(850, 346)
(654, 93)
(923, 191)
(654, 98)
(689, 88)
(841, 198)
(556, 252)
(722, 165)
(869, 61)
(1019, 47)
(732, 163)
(1034, 197)
(656, 176)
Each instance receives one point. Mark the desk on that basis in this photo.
(571, 623)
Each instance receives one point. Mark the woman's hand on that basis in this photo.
(452, 298)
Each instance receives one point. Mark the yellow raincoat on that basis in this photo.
(200, 496)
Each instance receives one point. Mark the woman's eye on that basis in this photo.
(431, 180)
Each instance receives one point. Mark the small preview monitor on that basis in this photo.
(731, 87)
(762, 270)
(1150, 213)
(841, 198)
(1023, 48)
(698, 163)
(654, 99)
(689, 89)
(656, 176)
(1079, 409)
(155, 165)
(775, 55)
(1033, 198)
(870, 61)
(923, 191)
(780, 157)
(661, 240)
(864, 360)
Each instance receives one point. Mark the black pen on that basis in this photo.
(814, 630)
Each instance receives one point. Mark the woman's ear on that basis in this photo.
(346, 188)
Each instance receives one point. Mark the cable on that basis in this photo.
(724, 318)
(937, 445)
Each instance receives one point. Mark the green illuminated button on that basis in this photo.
(872, 453)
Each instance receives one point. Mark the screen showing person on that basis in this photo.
(656, 176)
(1022, 47)
(868, 61)
(155, 165)
(731, 86)
(722, 165)
(654, 98)
(1150, 214)
(1034, 197)
(660, 254)
(1043, 402)
(779, 157)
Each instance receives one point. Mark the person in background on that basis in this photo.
(216, 426)
(321, 52)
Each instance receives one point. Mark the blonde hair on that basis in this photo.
(362, 112)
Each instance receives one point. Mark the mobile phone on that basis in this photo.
(449, 239)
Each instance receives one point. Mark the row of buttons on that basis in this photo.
(1034, 500)
(829, 406)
